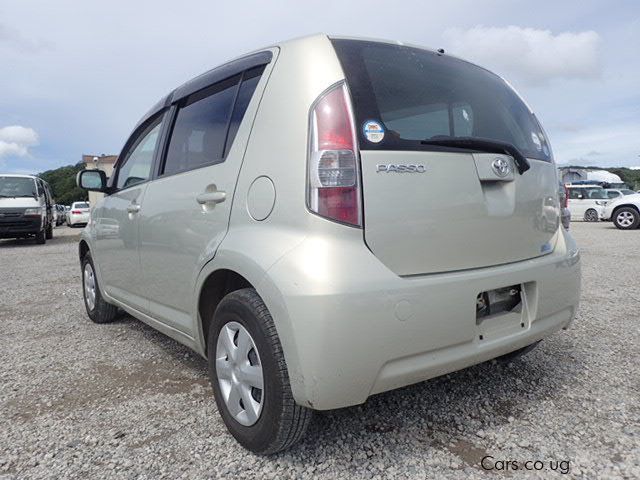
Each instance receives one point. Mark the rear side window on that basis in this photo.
(249, 83)
(207, 123)
(200, 128)
(419, 95)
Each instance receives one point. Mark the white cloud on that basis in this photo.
(15, 40)
(617, 145)
(15, 140)
(529, 55)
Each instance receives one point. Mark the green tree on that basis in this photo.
(63, 183)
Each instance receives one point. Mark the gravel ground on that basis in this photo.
(79, 400)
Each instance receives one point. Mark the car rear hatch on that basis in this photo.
(438, 196)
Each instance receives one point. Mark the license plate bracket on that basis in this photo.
(498, 301)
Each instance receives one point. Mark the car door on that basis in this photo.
(577, 203)
(117, 220)
(187, 208)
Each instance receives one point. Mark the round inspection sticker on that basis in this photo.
(373, 131)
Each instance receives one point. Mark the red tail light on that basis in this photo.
(333, 170)
(76, 212)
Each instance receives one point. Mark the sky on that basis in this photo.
(75, 76)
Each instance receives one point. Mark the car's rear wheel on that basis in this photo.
(591, 215)
(249, 376)
(626, 218)
(98, 310)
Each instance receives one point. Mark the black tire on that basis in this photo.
(591, 215)
(517, 353)
(626, 211)
(41, 237)
(102, 311)
(49, 232)
(282, 422)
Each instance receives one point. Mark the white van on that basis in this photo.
(26, 207)
(587, 202)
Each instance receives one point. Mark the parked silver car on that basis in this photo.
(289, 216)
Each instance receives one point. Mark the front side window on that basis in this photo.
(200, 129)
(418, 95)
(136, 167)
(17, 187)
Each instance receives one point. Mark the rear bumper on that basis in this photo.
(20, 227)
(350, 328)
(78, 219)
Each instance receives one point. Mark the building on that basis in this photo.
(102, 162)
(581, 174)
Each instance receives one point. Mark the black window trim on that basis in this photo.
(177, 104)
(166, 105)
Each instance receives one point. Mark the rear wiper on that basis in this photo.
(484, 145)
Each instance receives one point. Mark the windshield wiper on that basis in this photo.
(483, 145)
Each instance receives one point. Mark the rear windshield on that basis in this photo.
(80, 205)
(416, 95)
(17, 187)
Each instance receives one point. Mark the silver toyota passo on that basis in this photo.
(331, 218)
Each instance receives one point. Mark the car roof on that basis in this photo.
(258, 57)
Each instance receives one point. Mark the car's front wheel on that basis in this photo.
(98, 310)
(41, 237)
(626, 218)
(249, 376)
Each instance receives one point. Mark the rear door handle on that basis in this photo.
(211, 197)
(133, 208)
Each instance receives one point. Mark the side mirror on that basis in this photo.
(92, 180)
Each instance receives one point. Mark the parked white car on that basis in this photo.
(79, 214)
(586, 202)
(624, 212)
(288, 216)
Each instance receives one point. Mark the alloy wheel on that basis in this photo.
(591, 216)
(625, 219)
